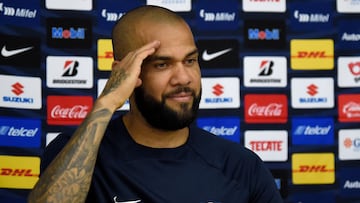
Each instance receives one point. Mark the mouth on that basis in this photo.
(181, 97)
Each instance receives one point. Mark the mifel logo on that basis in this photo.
(19, 172)
(312, 54)
(313, 168)
(105, 54)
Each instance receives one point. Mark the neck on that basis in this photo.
(144, 134)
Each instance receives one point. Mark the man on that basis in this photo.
(151, 154)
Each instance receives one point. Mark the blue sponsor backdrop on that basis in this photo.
(210, 20)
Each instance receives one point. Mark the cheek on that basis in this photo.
(154, 87)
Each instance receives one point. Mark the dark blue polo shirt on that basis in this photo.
(206, 169)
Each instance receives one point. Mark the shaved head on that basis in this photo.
(130, 31)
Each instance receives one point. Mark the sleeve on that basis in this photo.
(264, 189)
(52, 150)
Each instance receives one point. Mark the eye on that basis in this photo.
(160, 65)
(190, 62)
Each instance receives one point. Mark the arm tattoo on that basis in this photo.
(68, 177)
(115, 80)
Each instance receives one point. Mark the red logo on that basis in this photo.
(266, 108)
(347, 142)
(68, 110)
(313, 169)
(218, 89)
(17, 172)
(312, 90)
(107, 55)
(266, 145)
(17, 88)
(354, 68)
(311, 54)
(349, 108)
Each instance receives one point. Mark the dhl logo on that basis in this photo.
(19, 172)
(105, 54)
(312, 54)
(313, 168)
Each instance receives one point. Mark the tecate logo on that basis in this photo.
(75, 112)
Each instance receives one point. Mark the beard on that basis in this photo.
(160, 115)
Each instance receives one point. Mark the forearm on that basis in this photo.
(68, 177)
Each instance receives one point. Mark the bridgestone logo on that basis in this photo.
(69, 81)
(271, 80)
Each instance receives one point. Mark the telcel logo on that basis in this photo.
(227, 127)
(18, 132)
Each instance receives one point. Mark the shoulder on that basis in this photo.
(218, 149)
(237, 163)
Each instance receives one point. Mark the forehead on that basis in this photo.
(175, 39)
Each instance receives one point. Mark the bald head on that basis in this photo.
(130, 31)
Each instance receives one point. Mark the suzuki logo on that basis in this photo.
(17, 88)
(312, 89)
(217, 89)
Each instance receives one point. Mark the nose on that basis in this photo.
(181, 75)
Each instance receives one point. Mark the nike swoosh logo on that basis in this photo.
(8, 53)
(208, 57)
(131, 201)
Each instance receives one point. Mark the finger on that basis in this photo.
(148, 49)
(152, 45)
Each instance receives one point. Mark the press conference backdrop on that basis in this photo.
(280, 77)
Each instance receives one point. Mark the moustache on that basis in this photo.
(181, 90)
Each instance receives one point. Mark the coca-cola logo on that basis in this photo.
(75, 112)
(272, 109)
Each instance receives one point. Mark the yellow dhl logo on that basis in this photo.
(312, 54)
(19, 172)
(313, 168)
(105, 54)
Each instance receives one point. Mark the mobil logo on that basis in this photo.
(266, 34)
(225, 127)
(68, 33)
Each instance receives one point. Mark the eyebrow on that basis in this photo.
(166, 58)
